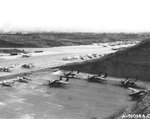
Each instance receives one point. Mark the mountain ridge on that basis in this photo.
(53, 39)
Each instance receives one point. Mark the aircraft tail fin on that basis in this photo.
(67, 79)
(105, 75)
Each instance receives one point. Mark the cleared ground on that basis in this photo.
(50, 57)
(78, 100)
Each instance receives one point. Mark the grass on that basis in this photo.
(9, 51)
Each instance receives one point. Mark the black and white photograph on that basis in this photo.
(74, 59)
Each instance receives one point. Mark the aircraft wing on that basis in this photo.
(1, 82)
(101, 78)
(63, 82)
(52, 81)
(135, 94)
(134, 90)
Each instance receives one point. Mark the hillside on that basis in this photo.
(140, 108)
(52, 39)
(133, 62)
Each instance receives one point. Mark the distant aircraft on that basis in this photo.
(24, 79)
(25, 55)
(4, 69)
(128, 83)
(97, 78)
(137, 93)
(71, 74)
(59, 82)
(27, 66)
(7, 83)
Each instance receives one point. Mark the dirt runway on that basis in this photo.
(78, 100)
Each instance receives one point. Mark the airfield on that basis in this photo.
(52, 57)
(78, 100)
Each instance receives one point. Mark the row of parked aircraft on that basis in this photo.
(132, 85)
(4, 69)
(82, 57)
(118, 43)
(8, 69)
(10, 83)
(63, 80)
(100, 78)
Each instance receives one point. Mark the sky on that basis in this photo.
(75, 15)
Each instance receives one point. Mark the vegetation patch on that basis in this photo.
(12, 51)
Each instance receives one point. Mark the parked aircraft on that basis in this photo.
(24, 79)
(25, 55)
(4, 69)
(137, 93)
(27, 66)
(7, 83)
(59, 82)
(128, 83)
(71, 74)
(97, 78)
